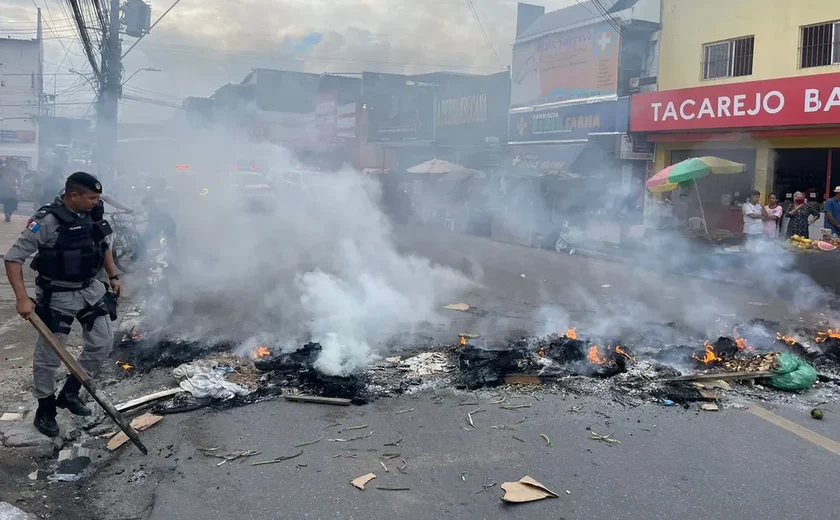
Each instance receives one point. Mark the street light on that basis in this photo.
(147, 69)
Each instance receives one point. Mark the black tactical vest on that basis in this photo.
(79, 252)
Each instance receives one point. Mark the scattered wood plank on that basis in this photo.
(339, 401)
(141, 423)
(709, 407)
(708, 395)
(140, 401)
(722, 377)
(530, 379)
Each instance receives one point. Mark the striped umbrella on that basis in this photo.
(690, 170)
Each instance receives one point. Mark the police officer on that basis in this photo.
(68, 236)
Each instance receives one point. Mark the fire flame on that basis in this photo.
(624, 353)
(741, 342)
(709, 356)
(124, 366)
(595, 357)
(261, 352)
(572, 333)
(135, 335)
(787, 339)
(830, 333)
(462, 340)
(541, 352)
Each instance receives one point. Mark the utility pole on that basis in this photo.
(109, 94)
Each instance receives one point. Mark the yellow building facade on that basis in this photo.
(687, 25)
(756, 81)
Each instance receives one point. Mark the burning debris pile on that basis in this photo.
(473, 363)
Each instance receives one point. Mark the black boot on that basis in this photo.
(45, 417)
(69, 399)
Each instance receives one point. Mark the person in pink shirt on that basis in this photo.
(774, 215)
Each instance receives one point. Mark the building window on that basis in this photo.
(820, 45)
(728, 59)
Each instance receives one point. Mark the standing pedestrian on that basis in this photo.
(832, 213)
(8, 190)
(774, 216)
(800, 217)
(68, 236)
(754, 214)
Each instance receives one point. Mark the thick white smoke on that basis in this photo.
(315, 263)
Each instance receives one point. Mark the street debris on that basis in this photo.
(351, 428)
(201, 380)
(486, 485)
(470, 414)
(10, 512)
(395, 443)
(427, 364)
(140, 401)
(709, 407)
(817, 414)
(360, 482)
(278, 459)
(71, 462)
(317, 400)
(383, 466)
(604, 438)
(393, 488)
(514, 437)
(230, 457)
(516, 406)
(457, 307)
(141, 423)
(546, 439)
(11, 416)
(793, 373)
(338, 439)
(403, 411)
(526, 489)
(309, 443)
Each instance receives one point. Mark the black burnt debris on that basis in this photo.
(566, 357)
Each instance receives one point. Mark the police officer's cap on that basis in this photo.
(85, 180)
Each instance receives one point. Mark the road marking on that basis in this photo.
(792, 427)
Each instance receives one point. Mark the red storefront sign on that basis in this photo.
(798, 101)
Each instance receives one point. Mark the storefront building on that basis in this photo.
(752, 84)
(572, 72)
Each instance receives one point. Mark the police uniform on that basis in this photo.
(70, 249)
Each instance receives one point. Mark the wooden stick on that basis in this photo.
(318, 400)
(140, 401)
(79, 373)
(530, 379)
(722, 377)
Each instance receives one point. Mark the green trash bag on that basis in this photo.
(793, 373)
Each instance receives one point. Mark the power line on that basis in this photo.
(605, 15)
(483, 32)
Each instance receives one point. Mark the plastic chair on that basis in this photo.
(696, 223)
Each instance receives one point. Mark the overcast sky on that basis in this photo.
(203, 44)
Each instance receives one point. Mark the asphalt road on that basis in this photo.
(671, 463)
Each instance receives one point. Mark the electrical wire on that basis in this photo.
(483, 32)
(606, 16)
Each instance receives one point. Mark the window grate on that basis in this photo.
(820, 45)
(731, 58)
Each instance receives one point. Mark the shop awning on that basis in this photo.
(546, 160)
